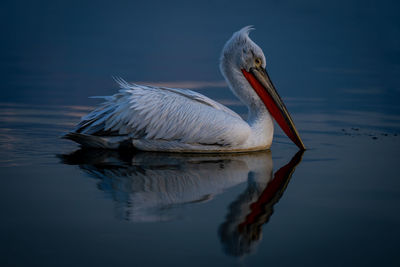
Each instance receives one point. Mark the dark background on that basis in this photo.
(63, 51)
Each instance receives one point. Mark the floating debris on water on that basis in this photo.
(355, 131)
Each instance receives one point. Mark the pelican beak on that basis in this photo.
(261, 83)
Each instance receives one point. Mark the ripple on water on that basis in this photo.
(29, 134)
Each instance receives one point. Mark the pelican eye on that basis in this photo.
(258, 62)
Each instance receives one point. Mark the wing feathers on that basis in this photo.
(157, 113)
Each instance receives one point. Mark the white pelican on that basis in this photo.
(176, 120)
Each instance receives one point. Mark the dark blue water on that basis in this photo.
(336, 66)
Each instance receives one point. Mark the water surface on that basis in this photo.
(336, 67)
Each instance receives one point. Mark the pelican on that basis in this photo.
(177, 120)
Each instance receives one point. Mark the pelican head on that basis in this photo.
(243, 65)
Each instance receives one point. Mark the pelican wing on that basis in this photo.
(158, 113)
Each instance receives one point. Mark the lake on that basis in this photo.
(335, 65)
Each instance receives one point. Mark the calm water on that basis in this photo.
(335, 65)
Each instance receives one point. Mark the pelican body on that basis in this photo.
(177, 120)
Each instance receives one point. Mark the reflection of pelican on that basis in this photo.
(147, 186)
(166, 119)
(242, 228)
